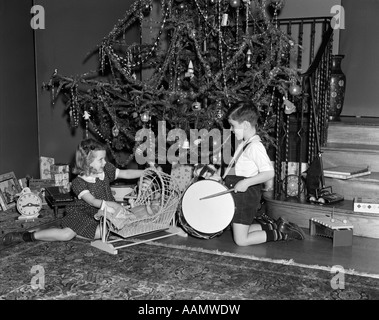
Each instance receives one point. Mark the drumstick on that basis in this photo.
(217, 194)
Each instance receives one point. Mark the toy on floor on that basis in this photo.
(153, 210)
(341, 231)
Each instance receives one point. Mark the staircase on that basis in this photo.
(353, 142)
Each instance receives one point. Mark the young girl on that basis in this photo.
(92, 187)
(252, 168)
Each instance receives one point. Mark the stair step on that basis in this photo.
(300, 212)
(349, 154)
(355, 132)
(365, 186)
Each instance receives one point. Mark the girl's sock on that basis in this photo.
(28, 237)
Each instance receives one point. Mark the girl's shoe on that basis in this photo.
(12, 237)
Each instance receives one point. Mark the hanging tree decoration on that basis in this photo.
(190, 71)
(235, 3)
(86, 116)
(115, 130)
(196, 106)
(248, 58)
(294, 89)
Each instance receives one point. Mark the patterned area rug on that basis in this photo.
(76, 271)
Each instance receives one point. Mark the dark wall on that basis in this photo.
(73, 29)
(18, 112)
(359, 43)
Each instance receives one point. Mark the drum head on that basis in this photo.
(207, 215)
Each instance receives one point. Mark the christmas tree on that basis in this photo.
(214, 53)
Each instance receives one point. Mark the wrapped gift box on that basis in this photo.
(61, 175)
(369, 205)
(44, 166)
(182, 175)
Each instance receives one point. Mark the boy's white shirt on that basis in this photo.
(253, 160)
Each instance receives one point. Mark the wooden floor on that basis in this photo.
(362, 256)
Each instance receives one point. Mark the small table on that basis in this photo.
(55, 205)
(339, 230)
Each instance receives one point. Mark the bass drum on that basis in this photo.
(206, 218)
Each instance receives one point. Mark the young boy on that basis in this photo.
(252, 168)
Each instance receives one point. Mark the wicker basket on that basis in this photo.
(154, 187)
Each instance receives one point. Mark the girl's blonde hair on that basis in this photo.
(85, 154)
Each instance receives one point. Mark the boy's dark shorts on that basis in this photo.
(246, 203)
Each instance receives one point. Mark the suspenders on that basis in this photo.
(235, 158)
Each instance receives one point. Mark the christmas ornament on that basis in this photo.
(277, 4)
(190, 72)
(181, 6)
(86, 115)
(204, 46)
(145, 117)
(294, 90)
(192, 34)
(225, 20)
(248, 58)
(197, 142)
(185, 144)
(115, 131)
(146, 9)
(235, 3)
(274, 72)
(196, 106)
(289, 107)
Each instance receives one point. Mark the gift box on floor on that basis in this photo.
(182, 175)
(44, 166)
(370, 205)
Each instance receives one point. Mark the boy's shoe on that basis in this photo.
(265, 219)
(292, 230)
(281, 221)
(12, 237)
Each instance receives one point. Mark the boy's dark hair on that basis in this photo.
(84, 155)
(244, 111)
